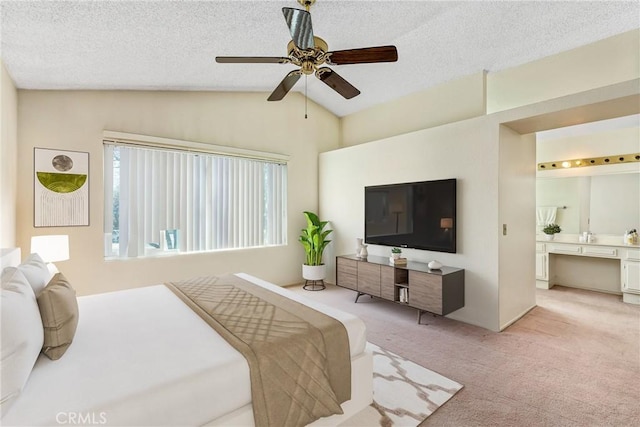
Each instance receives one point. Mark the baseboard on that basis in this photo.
(543, 284)
(515, 319)
(586, 288)
(631, 298)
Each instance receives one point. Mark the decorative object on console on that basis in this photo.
(358, 246)
(361, 249)
(61, 188)
(364, 253)
(398, 261)
(396, 252)
(550, 230)
(314, 240)
(435, 265)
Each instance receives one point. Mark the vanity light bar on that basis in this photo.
(591, 161)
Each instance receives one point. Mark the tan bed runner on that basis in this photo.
(299, 358)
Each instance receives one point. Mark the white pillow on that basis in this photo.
(36, 272)
(22, 335)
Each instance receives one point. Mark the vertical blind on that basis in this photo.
(213, 201)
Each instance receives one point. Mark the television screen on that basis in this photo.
(420, 215)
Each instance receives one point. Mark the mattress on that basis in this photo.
(142, 357)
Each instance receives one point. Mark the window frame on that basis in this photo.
(232, 154)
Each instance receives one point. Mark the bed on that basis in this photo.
(143, 357)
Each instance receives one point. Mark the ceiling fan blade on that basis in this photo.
(285, 86)
(251, 60)
(337, 83)
(365, 55)
(299, 23)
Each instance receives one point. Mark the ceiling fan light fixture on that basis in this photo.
(310, 53)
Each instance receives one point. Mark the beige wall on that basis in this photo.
(446, 103)
(75, 120)
(516, 201)
(597, 144)
(466, 150)
(609, 61)
(8, 156)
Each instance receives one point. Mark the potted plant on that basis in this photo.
(550, 230)
(314, 240)
(396, 252)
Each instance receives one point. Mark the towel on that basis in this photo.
(545, 215)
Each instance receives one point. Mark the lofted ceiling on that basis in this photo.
(171, 45)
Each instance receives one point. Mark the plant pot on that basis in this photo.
(395, 256)
(313, 272)
(549, 236)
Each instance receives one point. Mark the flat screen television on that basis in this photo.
(420, 215)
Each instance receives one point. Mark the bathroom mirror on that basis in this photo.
(602, 204)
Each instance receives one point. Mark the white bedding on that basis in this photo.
(142, 357)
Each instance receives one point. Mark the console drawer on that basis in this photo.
(369, 278)
(348, 266)
(425, 291)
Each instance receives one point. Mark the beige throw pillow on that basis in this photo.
(59, 311)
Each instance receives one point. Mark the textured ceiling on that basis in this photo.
(171, 45)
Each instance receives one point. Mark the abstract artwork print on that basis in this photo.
(61, 188)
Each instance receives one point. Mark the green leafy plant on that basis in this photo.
(314, 238)
(396, 251)
(551, 229)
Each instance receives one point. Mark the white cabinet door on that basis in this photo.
(541, 267)
(631, 276)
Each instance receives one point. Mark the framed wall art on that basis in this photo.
(61, 188)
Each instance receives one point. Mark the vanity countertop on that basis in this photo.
(600, 240)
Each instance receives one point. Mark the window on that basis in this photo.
(160, 200)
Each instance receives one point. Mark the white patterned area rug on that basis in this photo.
(404, 393)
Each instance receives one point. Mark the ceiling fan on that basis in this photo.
(310, 52)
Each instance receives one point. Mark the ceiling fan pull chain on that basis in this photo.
(305, 96)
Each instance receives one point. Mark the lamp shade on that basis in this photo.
(51, 248)
(446, 222)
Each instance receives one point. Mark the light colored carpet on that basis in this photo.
(404, 393)
(572, 361)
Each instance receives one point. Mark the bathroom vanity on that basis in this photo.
(605, 265)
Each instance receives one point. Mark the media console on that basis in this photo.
(435, 291)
